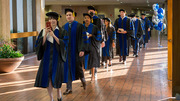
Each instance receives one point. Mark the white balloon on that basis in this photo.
(155, 19)
(164, 26)
(155, 13)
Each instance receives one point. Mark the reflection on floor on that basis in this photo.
(141, 79)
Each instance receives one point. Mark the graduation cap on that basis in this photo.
(119, 16)
(122, 10)
(132, 15)
(53, 14)
(143, 14)
(75, 14)
(91, 8)
(109, 20)
(68, 10)
(137, 16)
(86, 14)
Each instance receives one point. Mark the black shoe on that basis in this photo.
(59, 99)
(137, 56)
(67, 92)
(84, 85)
(110, 65)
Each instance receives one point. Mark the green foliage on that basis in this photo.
(6, 51)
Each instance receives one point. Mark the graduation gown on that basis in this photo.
(108, 49)
(93, 58)
(121, 41)
(72, 66)
(138, 33)
(145, 25)
(101, 26)
(52, 56)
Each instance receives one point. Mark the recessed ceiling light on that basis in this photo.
(137, 8)
(121, 2)
(117, 0)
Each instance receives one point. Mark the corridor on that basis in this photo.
(141, 79)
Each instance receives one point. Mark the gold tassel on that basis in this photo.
(92, 20)
(95, 12)
(73, 14)
(59, 18)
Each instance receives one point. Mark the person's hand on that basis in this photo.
(48, 29)
(124, 32)
(51, 33)
(81, 54)
(90, 35)
(103, 44)
(118, 31)
(149, 29)
(113, 45)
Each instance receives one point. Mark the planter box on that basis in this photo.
(9, 64)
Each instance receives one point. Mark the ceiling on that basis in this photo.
(138, 3)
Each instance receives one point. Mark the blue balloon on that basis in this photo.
(160, 10)
(157, 6)
(160, 24)
(160, 16)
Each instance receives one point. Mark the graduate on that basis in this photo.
(97, 21)
(110, 43)
(124, 29)
(93, 38)
(146, 27)
(138, 33)
(73, 65)
(51, 48)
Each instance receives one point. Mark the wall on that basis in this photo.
(109, 11)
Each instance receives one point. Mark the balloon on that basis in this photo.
(155, 13)
(155, 7)
(160, 10)
(155, 19)
(164, 26)
(160, 16)
(160, 24)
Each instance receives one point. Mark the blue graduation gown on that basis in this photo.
(72, 66)
(107, 50)
(93, 58)
(52, 56)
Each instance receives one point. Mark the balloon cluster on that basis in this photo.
(158, 17)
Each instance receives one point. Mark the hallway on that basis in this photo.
(141, 79)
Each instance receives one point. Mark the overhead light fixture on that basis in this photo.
(147, 1)
(137, 8)
(121, 2)
(117, 0)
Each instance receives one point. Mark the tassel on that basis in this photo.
(73, 14)
(92, 20)
(58, 18)
(95, 12)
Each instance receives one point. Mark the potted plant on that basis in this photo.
(9, 59)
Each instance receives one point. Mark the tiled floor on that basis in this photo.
(141, 79)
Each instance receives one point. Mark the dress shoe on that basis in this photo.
(67, 92)
(59, 99)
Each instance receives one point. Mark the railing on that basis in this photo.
(24, 34)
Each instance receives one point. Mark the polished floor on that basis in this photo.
(141, 79)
